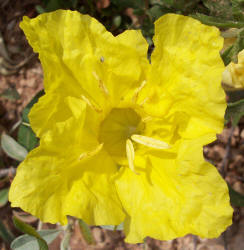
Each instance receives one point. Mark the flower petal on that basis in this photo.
(52, 186)
(185, 77)
(53, 108)
(80, 57)
(63, 176)
(177, 195)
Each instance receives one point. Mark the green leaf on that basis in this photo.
(74, 3)
(155, 12)
(227, 55)
(12, 148)
(26, 242)
(86, 232)
(40, 9)
(236, 199)
(64, 245)
(25, 228)
(4, 197)
(184, 6)
(231, 53)
(219, 8)
(234, 112)
(5, 234)
(168, 3)
(26, 136)
(129, 3)
(117, 21)
(28, 107)
(10, 93)
(139, 12)
(235, 95)
(218, 22)
(237, 9)
(53, 5)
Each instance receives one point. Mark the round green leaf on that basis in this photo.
(27, 242)
(4, 197)
(12, 148)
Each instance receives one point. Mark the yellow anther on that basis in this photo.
(130, 153)
(150, 142)
(101, 85)
(90, 104)
(91, 153)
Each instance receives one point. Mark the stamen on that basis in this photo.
(101, 84)
(95, 75)
(88, 102)
(130, 153)
(150, 142)
(144, 101)
(134, 98)
(91, 153)
(146, 119)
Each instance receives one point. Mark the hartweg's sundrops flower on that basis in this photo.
(121, 139)
(233, 76)
(234, 72)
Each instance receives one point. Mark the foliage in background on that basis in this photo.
(118, 15)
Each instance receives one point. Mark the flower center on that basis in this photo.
(119, 125)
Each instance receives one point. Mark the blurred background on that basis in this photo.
(21, 85)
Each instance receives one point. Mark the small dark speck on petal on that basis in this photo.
(102, 59)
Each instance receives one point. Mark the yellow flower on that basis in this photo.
(121, 139)
(234, 72)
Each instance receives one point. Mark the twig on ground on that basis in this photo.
(39, 226)
(3, 49)
(9, 69)
(67, 235)
(194, 242)
(7, 171)
(146, 4)
(225, 240)
(145, 245)
(225, 161)
(223, 170)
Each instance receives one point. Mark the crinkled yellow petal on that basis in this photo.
(52, 186)
(80, 57)
(64, 175)
(53, 108)
(185, 77)
(176, 193)
(49, 118)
